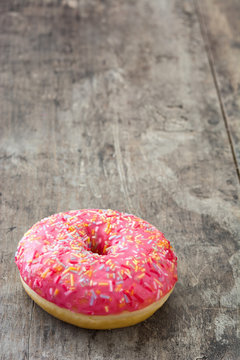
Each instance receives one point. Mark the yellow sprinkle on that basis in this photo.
(72, 217)
(44, 274)
(78, 255)
(72, 279)
(65, 271)
(141, 276)
(106, 308)
(158, 282)
(75, 248)
(72, 268)
(103, 284)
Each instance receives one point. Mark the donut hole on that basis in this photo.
(97, 250)
(97, 246)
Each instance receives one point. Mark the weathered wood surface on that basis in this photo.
(220, 22)
(112, 104)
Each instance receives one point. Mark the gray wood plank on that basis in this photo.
(221, 26)
(113, 105)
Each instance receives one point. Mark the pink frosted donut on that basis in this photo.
(97, 269)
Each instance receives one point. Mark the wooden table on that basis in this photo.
(130, 105)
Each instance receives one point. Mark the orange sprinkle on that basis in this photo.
(108, 228)
(57, 267)
(141, 276)
(89, 273)
(56, 292)
(72, 279)
(106, 308)
(103, 284)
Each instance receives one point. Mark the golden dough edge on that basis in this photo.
(96, 322)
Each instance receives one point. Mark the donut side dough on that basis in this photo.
(98, 322)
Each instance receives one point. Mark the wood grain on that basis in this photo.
(112, 104)
(221, 28)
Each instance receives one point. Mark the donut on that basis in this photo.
(97, 269)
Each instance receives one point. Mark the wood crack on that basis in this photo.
(120, 167)
(29, 333)
(205, 37)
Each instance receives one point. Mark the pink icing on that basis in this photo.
(97, 262)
